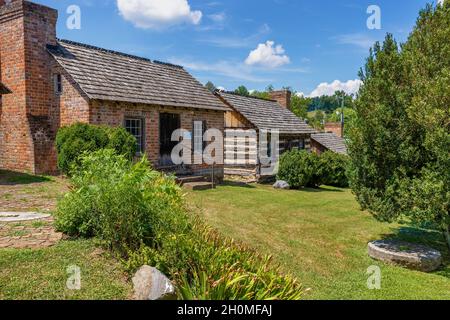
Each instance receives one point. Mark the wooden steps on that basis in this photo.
(195, 183)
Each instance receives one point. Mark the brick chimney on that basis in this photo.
(25, 68)
(335, 127)
(283, 97)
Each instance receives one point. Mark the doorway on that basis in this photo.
(168, 123)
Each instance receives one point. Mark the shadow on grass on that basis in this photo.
(321, 189)
(15, 178)
(430, 238)
(238, 184)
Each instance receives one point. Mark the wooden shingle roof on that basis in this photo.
(4, 89)
(109, 75)
(331, 141)
(266, 114)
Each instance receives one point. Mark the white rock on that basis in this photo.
(280, 184)
(150, 284)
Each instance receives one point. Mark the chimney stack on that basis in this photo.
(283, 97)
(335, 127)
(26, 28)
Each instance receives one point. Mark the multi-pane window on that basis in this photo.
(199, 131)
(135, 126)
(57, 79)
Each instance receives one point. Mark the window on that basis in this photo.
(58, 84)
(199, 131)
(135, 126)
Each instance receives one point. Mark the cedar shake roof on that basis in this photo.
(331, 141)
(4, 89)
(109, 75)
(266, 114)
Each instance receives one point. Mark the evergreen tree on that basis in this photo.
(400, 142)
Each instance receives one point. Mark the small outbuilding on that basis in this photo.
(249, 115)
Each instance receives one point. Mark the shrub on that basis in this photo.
(332, 169)
(75, 140)
(120, 203)
(299, 168)
(122, 142)
(139, 213)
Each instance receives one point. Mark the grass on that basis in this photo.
(27, 274)
(42, 274)
(321, 237)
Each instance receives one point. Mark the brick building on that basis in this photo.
(55, 83)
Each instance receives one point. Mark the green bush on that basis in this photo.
(299, 168)
(75, 140)
(122, 142)
(332, 169)
(122, 204)
(140, 215)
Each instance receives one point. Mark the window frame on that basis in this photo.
(194, 136)
(140, 144)
(58, 84)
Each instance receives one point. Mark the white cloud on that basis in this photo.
(218, 17)
(157, 14)
(356, 39)
(441, 2)
(228, 69)
(268, 55)
(328, 89)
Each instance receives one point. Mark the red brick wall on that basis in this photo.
(114, 114)
(27, 128)
(317, 147)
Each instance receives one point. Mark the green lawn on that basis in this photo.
(42, 274)
(28, 274)
(321, 237)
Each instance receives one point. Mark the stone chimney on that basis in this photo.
(283, 97)
(25, 68)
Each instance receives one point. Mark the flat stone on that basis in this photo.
(280, 184)
(21, 216)
(408, 255)
(150, 284)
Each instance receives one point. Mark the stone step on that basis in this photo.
(182, 180)
(197, 186)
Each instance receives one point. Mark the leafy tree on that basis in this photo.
(349, 118)
(400, 142)
(299, 106)
(243, 91)
(210, 86)
(260, 94)
(270, 88)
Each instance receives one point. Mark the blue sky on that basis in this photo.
(311, 46)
